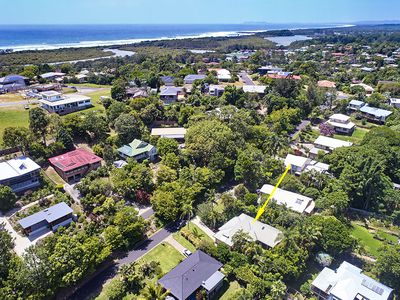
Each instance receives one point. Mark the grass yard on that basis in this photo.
(355, 138)
(12, 117)
(184, 242)
(196, 230)
(89, 85)
(166, 255)
(54, 177)
(228, 290)
(97, 106)
(366, 239)
(11, 98)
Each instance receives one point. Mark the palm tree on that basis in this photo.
(154, 291)
(187, 211)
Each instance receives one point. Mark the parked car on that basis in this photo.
(26, 106)
(186, 252)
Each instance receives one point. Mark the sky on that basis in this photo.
(195, 12)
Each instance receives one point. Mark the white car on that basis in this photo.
(186, 252)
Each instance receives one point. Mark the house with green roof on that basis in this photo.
(138, 150)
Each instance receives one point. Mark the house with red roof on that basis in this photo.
(74, 165)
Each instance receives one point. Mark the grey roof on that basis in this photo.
(50, 214)
(170, 91)
(258, 231)
(193, 77)
(213, 281)
(190, 274)
(377, 112)
(356, 102)
(167, 79)
(12, 78)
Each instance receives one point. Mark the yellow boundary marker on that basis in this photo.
(262, 209)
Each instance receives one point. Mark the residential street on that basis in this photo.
(246, 78)
(94, 286)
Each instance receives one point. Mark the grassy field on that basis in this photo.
(12, 117)
(355, 138)
(89, 85)
(11, 98)
(97, 106)
(194, 228)
(54, 177)
(166, 255)
(366, 239)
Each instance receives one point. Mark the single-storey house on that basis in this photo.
(355, 105)
(257, 89)
(326, 84)
(293, 201)
(375, 114)
(20, 174)
(55, 102)
(138, 150)
(298, 163)
(327, 145)
(341, 123)
(189, 79)
(197, 272)
(12, 83)
(223, 75)
(395, 102)
(167, 80)
(52, 76)
(266, 235)
(74, 165)
(368, 89)
(170, 94)
(50, 218)
(170, 133)
(137, 92)
(266, 69)
(216, 90)
(348, 283)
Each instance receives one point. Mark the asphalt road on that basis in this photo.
(246, 79)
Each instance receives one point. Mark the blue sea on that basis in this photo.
(40, 37)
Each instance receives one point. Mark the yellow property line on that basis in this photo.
(262, 209)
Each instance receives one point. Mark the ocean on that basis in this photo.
(41, 37)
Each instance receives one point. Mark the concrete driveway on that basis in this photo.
(73, 192)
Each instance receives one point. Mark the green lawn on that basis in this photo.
(89, 85)
(12, 117)
(184, 242)
(97, 106)
(228, 290)
(166, 255)
(194, 228)
(355, 138)
(366, 239)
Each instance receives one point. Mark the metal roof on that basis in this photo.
(74, 159)
(50, 214)
(17, 167)
(190, 274)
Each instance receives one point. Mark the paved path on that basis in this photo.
(147, 213)
(246, 78)
(73, 192)
(18, 103)
(203, 227)
(174, 243)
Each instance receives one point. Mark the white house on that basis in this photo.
(20, 174)
(298, 163)
(223, 75)
(341, 123)
(294, 201)
(258, 231)
(55, 102)
(355, 105)
(375, 114)
(395, 102)
(327, 145)
(348, 283)
(258, 89)
(177, 133)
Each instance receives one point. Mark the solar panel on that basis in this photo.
(372, 286)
